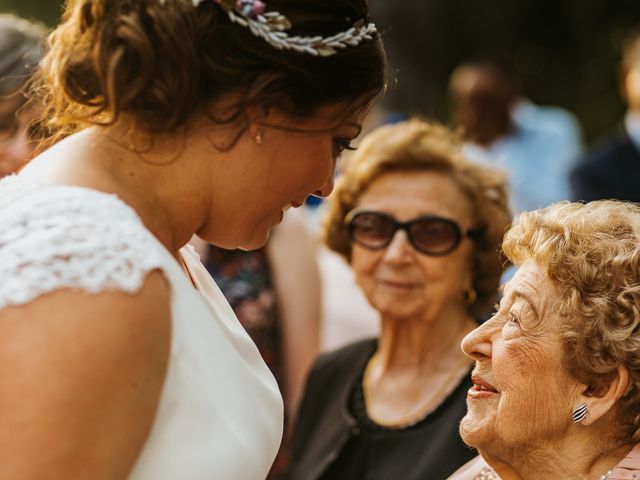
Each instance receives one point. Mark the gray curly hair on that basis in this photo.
(592, 255)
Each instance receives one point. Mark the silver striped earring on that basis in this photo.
(580, 413)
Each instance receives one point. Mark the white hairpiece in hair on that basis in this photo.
(272, 27)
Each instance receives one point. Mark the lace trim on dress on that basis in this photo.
(58, 236)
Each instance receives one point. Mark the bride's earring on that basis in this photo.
(258, 136)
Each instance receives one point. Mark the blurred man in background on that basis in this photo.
(536, 145)
(21, 48)
(612, 170)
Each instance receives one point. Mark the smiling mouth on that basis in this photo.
(404, 285)
(481, 388)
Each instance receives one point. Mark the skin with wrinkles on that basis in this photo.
(523, 428)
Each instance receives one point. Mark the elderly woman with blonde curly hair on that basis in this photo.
(556, 386)
(421, 228)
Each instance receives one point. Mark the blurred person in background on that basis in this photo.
(557, 378)
(21, 49)
(421, 228)
(612, 169)
(536, 146)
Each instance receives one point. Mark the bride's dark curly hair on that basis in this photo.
(159, 61)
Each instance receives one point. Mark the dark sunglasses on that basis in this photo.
(430, 235)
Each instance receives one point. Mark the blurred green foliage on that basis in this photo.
(565, 52)
(46, 11)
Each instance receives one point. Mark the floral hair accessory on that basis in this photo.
(249, 8)
(272, 27)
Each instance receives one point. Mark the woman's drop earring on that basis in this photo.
(258, 136)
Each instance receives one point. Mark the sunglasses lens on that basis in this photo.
(435, 236)
(372, 229)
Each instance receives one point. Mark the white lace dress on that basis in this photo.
(220, 412)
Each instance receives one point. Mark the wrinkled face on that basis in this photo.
(291, 159)
(397, 280)
(15, 146)
(522, 394)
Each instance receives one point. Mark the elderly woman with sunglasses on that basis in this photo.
(557, 379)
(421, 228)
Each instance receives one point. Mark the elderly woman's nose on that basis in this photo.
(477, 343)
(399, 249)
